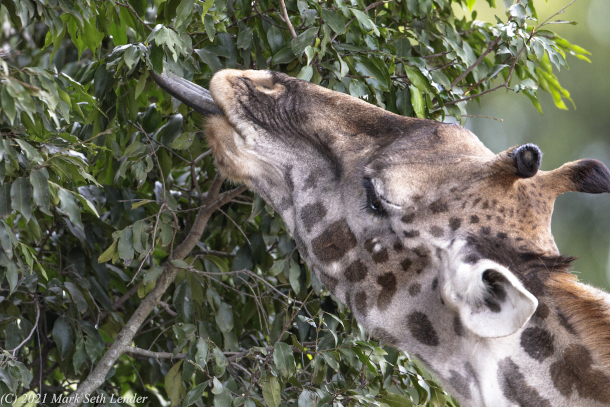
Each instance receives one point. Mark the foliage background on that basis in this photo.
(580, 222)
(107, 185)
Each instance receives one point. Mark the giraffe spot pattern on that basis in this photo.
(436, 231)
(439, 206)
(360, 300)
(537, 342)
(387, 282)
(411, 233)
(381, 256)
(421, 328)
(455, 223)
(334, 242)
(329, 281)
(408, 218)
(474, 219)
(406, 264)
(515, 388)
(356, 272)
(384, 336)
(312, 214)
(414, 289)
(458, 328)
(574, 372)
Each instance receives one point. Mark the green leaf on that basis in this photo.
(284, 56)
(284, 359)
(374, 68)
(208, 23)
(305, 39)
(202, 352)
(395, 400)
(418, 103)
(5, 200)
(30, 152)
(244, 38)
(42, 192)
(271, 392)
(364, 21)
(173, 384)
(62, 335)
(69, 205)
(107, 255)
(21, 197)
(195, 394)
(294, 274)
(182, 142)
(308, 399)
(306, 73)
(77, 296)
(184, 14)
(418, 79)
(334, 21)
(224, 317)
(125, 244)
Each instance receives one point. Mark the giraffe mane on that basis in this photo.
(586, 310)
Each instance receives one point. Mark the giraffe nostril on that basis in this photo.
(527, 159)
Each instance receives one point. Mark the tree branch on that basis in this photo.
(370, 6)
(285, 12)
(132, 350)
(122, 343)
(477, 62)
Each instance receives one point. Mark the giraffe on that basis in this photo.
(438, 246)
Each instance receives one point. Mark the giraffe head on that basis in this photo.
(418, 227)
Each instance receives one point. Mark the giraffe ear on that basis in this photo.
(590, 176)
(490, 300)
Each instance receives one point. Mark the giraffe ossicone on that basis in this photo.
(438, 246)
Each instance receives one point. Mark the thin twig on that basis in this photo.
(31, 332)
(285, 12)
(490, 48)
(128, 7)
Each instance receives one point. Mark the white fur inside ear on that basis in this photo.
(490, 300)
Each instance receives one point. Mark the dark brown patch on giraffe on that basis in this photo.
(486, 230)
(575, 372)
(408, 218)
(387, 282)
(475, 202)
(439, 206)
(458, 328)
(434, 284)
(542, 312)
(414, 289)
(381, 256)
(501, 235)
(356, 272)
(485, 205)
(563, 320)
(361, 302)
(334, 242)
(398, 247)
(436, 231)
(384, 336)
(537, 342)
(421, 328)
(329, 281)
(311, 181)
(369, 245)
(411, 233)
(474, 219)
(460, 383)
(515, 388)
(312, 214)
(455, 223)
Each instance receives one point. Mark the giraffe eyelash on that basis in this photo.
(374, 202)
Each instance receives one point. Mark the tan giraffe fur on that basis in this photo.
(439, 246)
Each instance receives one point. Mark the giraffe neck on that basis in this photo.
(552, 361)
